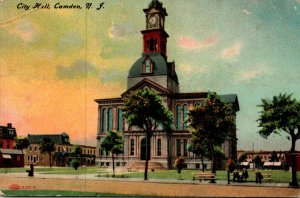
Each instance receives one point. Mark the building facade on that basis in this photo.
(9, 156)
(153, 71)
(63, 153)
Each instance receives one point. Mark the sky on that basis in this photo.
(55, 62)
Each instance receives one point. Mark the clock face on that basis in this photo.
(153, 20)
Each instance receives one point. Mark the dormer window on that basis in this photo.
(148, 66)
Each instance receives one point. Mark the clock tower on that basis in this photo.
(153, 65)
(155, 36)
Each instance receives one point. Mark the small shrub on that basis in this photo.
(75, 164)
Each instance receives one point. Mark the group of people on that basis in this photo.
(241, 177)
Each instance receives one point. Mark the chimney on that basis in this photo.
(9, 125)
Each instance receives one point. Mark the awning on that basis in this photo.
(245, 163)
(272, 164)
(5, 156)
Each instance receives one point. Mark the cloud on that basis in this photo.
(192, 43)
(78, 70)
(252, 73)
(192, 69)
(120, 31)
(232, 51)
(246, 11)
(70, 41)
(25, 30)
(112, 75)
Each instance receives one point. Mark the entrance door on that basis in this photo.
(143, 150)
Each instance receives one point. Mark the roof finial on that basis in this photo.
(155, 4)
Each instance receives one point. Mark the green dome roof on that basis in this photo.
(161, 67)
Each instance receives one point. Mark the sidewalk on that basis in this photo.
(153, 187)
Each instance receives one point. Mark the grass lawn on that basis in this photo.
(278, 176)
(25, 193)
(53, 170)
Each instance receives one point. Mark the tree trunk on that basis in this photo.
(113, 163)
(202, 163)
(213, 168)
(294, 182)
(147, 157)
(50, 159)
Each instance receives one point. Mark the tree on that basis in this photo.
(75, 164)
(77, 150)
(47, 146)
(282, 114)
(145, 110)
(113, 142)
(199, 147)
(212, 121)
(21, 143)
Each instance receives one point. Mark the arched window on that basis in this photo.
(104, 120)
(132, 147)
(185, 116)
(120, 120)
(158, 147)
(110, 121)
(178, 117)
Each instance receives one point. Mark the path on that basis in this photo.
(90, 183)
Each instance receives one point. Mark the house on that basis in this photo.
(63, 153)
(9, 157)
(153, 71)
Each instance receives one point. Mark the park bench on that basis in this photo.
(103, 173)
(132, 170)
(204, 176)
(267, 177)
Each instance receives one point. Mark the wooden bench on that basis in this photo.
(132, 170)
(267, 177)
(103, 173)
(204, 176)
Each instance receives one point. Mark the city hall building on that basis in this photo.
(153, 71)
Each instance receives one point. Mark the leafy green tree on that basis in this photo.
(212, 121)
(113, 142)
(47, 146)
(243, 157)
(21, 143)
(199, 147)
(145, 110)
(77, 150)
(75, 164)
(282, 114)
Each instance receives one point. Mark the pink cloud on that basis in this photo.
(232, 51)
(192, 43)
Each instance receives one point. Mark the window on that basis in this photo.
(132, 147)
(35, 148)
(28, 157)
(178, 147)
(185, 147)
(178, 117)
(120, 120)
(110, 121)
(104, 120)
(159, 147)
(185, 116)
